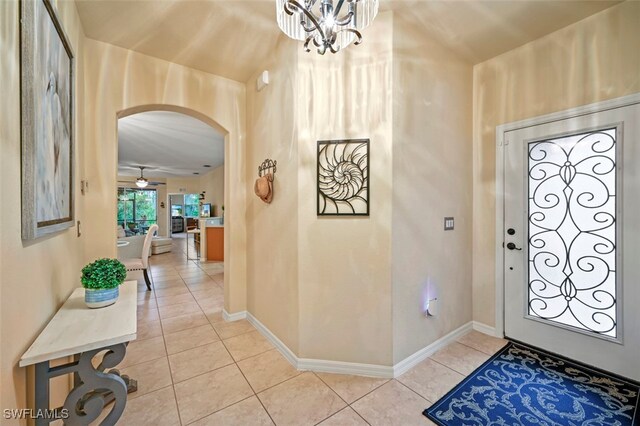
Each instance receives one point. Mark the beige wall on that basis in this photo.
(272, 229)
(120, 82)
(213, 185)
(414, 101)
(184, 185)
(344, 274)
(314, 281)
(432, 153)
(35, 277)
(593, 60)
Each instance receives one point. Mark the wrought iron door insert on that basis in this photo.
(572, 256)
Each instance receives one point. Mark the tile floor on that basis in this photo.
(193, 368)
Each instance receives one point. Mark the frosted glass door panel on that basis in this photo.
(572, 231)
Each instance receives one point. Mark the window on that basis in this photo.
(192, 205)
(137, 209)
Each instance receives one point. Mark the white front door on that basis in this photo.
(572, 238)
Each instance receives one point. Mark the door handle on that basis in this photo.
(512, 246)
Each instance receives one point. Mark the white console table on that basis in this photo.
(78, 331)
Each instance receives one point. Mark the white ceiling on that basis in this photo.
(233, 38)
(168, 143)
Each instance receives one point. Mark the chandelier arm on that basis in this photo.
(321, 47)
(287, 8)
(306, 44)
(331, 42)
(346, 20)
(308, 14)
(305, 28)
(338, 7)
(355, 32)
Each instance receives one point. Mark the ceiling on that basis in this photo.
(168, 143)
(481, 30)
(229, 38)
(233, 38)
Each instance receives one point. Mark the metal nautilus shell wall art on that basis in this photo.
(343, 177)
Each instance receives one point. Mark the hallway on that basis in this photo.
(386, 188)
(193, 367)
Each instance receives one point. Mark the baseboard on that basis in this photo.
(340, 367)
(484, 328)
(235, 316)
(358, 369)
(320, 365)
(282, 348)
(424, 353)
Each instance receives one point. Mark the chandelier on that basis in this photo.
(323, 24)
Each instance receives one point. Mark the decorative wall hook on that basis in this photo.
(264, 184)
(267, 166)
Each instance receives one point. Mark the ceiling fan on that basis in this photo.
(142, 182)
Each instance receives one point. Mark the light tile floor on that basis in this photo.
(193, 368)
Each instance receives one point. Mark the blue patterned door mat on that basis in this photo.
(524, 386)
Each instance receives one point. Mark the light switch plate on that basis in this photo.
(448, 224)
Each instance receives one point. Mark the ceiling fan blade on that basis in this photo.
(149, 184)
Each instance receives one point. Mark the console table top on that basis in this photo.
(75, 328)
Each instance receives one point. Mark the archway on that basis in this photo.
(233, 284)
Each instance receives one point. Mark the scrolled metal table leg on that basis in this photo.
(95, 388)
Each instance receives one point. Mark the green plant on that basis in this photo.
(103, 274)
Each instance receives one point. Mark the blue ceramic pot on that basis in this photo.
(100, 297)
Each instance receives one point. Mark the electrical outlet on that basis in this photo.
(448, 224)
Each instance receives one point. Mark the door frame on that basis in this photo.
(500, 170)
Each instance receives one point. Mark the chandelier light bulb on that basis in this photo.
(330, 21)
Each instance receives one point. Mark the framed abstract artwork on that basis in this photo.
(47, 115)
(343, 177)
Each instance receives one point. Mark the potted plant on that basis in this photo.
(101, 280)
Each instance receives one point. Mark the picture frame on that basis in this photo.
(205, 210)
(343, 177)
(47, 77)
